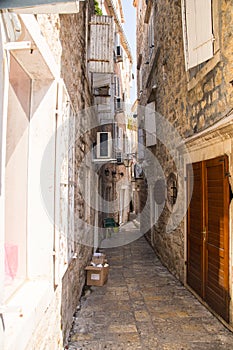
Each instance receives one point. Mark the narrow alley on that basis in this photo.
(116, 137)
(142, 306)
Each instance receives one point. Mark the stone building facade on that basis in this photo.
(47, 223)
(187, 78)
(110, 68)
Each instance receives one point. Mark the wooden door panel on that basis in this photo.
(208, 234)
(195, 245)
(216, 255)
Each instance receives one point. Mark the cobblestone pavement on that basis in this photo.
(143, 306)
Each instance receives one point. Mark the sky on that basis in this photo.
(130, 31)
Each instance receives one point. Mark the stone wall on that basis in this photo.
(50, 28)
(73, 36)
(191, 101)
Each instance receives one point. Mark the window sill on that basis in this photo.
(209, 66)
(23, 313)
(10, 287)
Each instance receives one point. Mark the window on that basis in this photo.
(16, 186)
(116, 86)
(118, 104)
(104, 145)
(197, 31)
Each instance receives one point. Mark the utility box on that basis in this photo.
(97, 276)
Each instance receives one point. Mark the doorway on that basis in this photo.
(208, 233)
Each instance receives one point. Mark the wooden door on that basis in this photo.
(208, 233)
(217, 235)
(195, 225)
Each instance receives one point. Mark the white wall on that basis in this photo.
(2, 174)
(41, 189)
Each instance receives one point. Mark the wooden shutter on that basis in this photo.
(150, 124)
(198, 33)
(101, 44)
(116, 86)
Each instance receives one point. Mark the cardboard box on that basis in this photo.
(97, 276)
(98, 258)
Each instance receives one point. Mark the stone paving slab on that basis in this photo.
(142, 307)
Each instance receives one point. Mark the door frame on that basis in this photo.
(211, 143)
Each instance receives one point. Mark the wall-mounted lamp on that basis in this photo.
(174, 192)
(172, 188)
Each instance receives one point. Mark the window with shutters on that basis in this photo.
(199, 31)
(101, 44)
(116, 86)
(104, 144)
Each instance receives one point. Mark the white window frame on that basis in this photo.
(117, 89)
(109, 143)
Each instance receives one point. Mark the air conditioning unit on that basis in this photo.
(104, 145)
(102, 91)
(119, 157)
(119, 53)
(138, 171)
